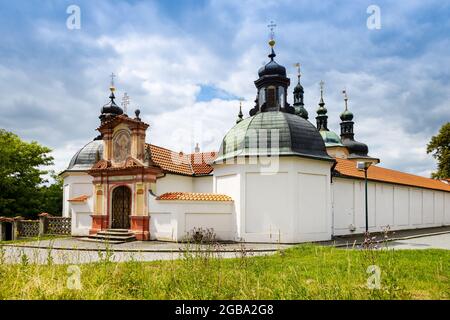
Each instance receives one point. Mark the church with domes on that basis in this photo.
(276, 178)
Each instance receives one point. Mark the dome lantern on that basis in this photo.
(111, 109)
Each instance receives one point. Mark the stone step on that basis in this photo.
(117, 230)
(115, 233)
(109, 237)
(102, 240)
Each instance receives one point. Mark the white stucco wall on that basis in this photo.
(203, 184)
(171, 220)
(400, 207)
(77, 184)
(174, 183)
(289, 203)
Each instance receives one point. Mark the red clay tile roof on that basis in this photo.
(192, 196)
(201, 162)
(196, 164)
(348, 168)
(81, 198)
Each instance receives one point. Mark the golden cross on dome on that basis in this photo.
(322, 84)
(272, 26)
(112, 81)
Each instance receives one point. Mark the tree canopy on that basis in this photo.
(22, 189)
(439, 146)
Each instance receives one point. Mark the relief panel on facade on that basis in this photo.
(121, 146)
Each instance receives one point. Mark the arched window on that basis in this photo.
(262, 96)
(281, 97)
(271, 97)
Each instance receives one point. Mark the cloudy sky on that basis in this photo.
(185, 64)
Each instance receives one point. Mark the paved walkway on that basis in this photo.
(441, 241)
(74, 251)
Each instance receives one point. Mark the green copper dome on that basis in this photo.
(331, 139)
(287, 134)
(346, 116)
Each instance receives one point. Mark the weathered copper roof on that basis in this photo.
(271, 134)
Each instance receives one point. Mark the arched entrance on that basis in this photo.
(121, 208)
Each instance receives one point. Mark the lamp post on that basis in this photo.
(364, 166)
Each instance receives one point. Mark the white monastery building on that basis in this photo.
(276, 178)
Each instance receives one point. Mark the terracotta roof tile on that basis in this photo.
(376, 173)
(81, 198)
(201, 162)
(198, 164)
(182, 163)
(192, 196)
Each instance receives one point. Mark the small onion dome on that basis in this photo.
(87, 156)
(272, 68)
(111, 107)
(301, 111)
(253, 136)
(346, 116)
(356, 148)
(322, 110)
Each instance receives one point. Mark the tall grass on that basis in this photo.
(303, 272)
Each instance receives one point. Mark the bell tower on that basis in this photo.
(123, 177)
(272, 84)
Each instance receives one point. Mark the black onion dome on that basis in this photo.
(298, 88)
(87, 156)
(111, 108)
(272, 68)
(253, 137)
(356, 148)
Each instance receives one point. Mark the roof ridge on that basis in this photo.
(347, 168)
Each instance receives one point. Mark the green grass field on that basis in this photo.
(303, 272)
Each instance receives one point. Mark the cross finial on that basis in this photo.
(112, 78)
(125, 102)
(240, 115)
(112, 87)
(344, 92)
(297, 65)
(322, 84)
(271, 27)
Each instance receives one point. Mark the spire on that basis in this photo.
(111, 109)
(322, 118)
(272, 26)
(321, 103)
(298, 96)
(355, 148)
(346, 118)
(346, 115)
(240, 115)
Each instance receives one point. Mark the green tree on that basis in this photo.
(439, 146)
(51, 196)
(21, 175)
